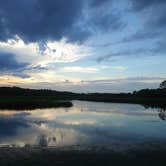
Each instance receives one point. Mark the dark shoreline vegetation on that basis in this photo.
(30, 102)
(53, 156)
(20, 98)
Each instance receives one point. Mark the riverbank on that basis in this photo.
(19, 98)
(30, 102)
(65, 157)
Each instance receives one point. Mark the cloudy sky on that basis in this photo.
(83, 45)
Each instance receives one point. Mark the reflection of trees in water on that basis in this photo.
(44, 140)
(162, 113)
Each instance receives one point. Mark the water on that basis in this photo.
(93, 124)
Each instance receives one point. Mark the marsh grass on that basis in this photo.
(30, 102)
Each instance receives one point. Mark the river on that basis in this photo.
(86, 124)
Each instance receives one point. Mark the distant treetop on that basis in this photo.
(163, 84)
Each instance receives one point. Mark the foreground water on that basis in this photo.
(114, 126)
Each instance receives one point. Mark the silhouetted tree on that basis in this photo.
(163, 84)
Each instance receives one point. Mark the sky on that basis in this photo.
(83, 45)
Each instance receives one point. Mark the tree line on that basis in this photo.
(153, 97)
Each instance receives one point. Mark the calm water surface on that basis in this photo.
(86, 123)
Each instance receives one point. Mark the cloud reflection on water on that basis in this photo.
(85, 123)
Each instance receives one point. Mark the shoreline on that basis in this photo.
(20, 98)
(52, 156)
(50, 103)
(30, 103)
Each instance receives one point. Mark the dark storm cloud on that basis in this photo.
(8, 62)
(108, 22)
(36, 20)
(153, 24)
(139, 5)
(157, 21)
(41, 20)
(156, 13)
(97, 3)
(153, 28)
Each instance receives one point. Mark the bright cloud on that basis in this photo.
(53, 52)
(79, 69)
